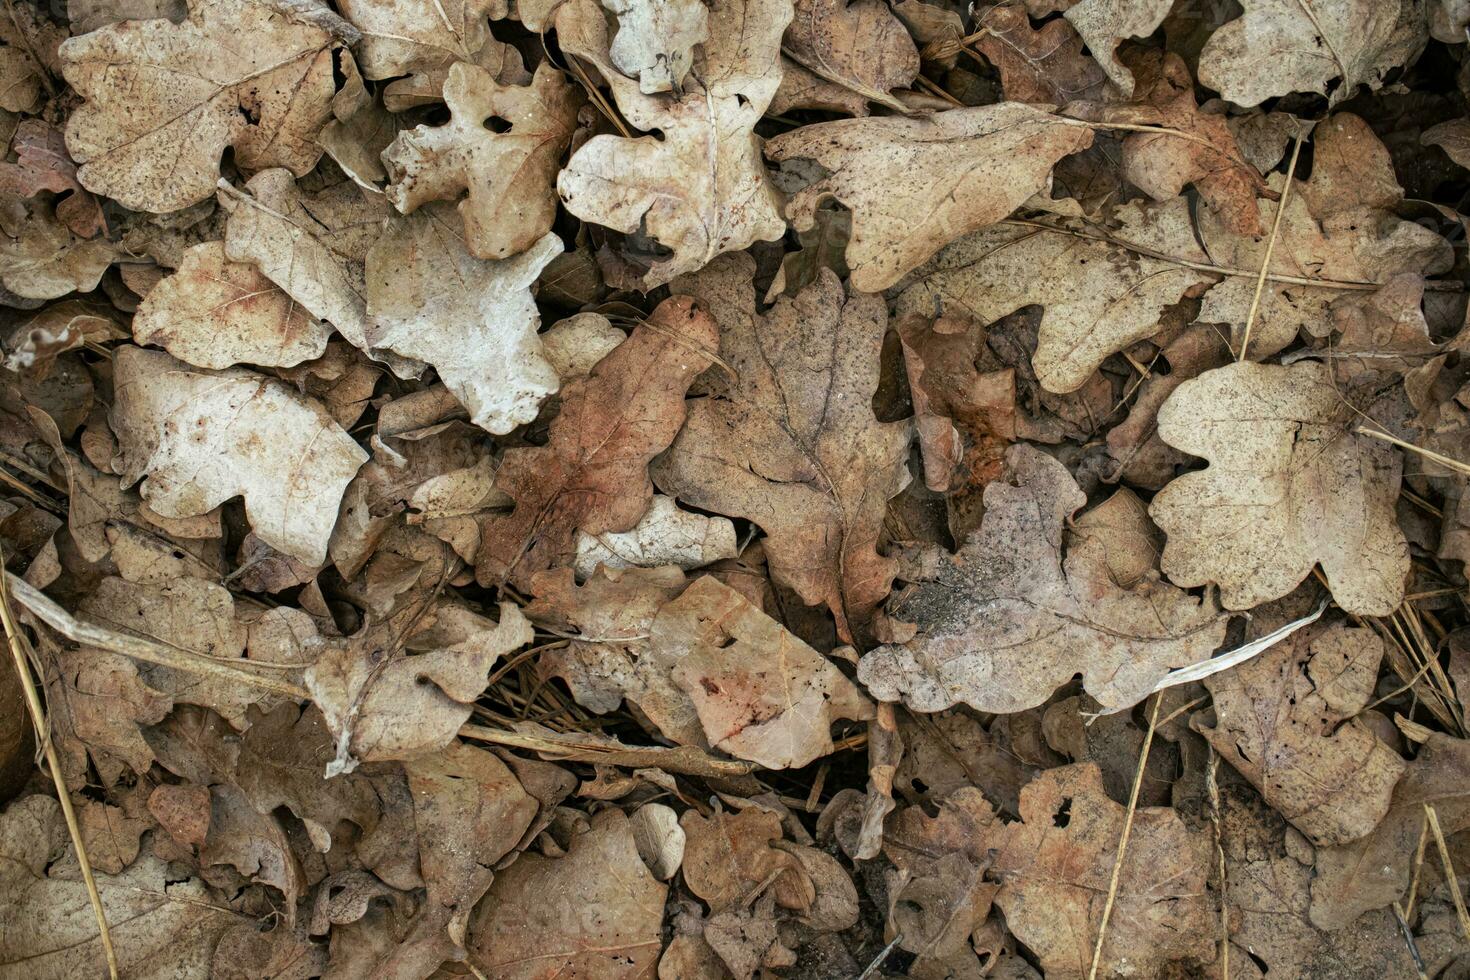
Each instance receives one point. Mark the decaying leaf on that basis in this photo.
(1046, 64)
(1290, 486)
(655, 41)
(1286, 721)
(1006, 620)
(420, 35)
(474, 320)
(506, 173)
(592, 474)
(665, 535)
(198, 438)
(915, 185)
(858, 45)
(1104, 24)
(164, 100)
(791, 442)
(700, 189)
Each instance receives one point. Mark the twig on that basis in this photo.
(878, 960)
(1250, 318)
(1429, 454)
(1102, 929)
(1408, 935)
(43, 735)
(1432, 819)
(1212, 785)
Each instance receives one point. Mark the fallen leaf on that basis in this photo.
(791, 442)
(215, 313)
(1047, 64)
(857, 44)
(41, 258)
(1290, 487)
(1105, 24)
(475, 321)
(665, 535)
(1006, 621)
(506, 173)
(726, 856)
(1276, 47)
(198, 438)
(760, 693)
(42, 164)
(655, 41)
(592, 473)
(666, 188)
(915, 185)
(604, 924)
(164, 100)
(402, 38)
(1286, 721)
(23, 31)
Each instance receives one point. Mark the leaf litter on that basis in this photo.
(708, 489)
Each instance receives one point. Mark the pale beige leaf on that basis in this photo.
(506, 177)
(1105, 24)
(1006, 621)
(655, 40)
(407, 36)
(41, 258)
(665, 535)
(202, 437)
(215, 313)
(163, 101)
(857, 45)
(474, 320)
(1289, 487)
(915, 185)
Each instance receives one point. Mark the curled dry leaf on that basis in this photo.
(791, 442)
(24, 33)
(665, 535)
(700, 190)
(728, 855)
(1006, 621)
(858, 45)
(1286, 720)
(660, 839)
(41, 258)
(604, 923)
(215, 313)
(1105, 24)
(475, 321)
(43, 165)
(592, 473)
(382, 704)
(1099, 296)
(1289, 486)
(506, 174)
(759, 692)
(1276, 47)
(200, 437)
(915, 185)
(655, 41)
(164, 100)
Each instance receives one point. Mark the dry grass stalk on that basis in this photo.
(1250, 318)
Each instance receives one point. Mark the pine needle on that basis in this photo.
(1432, 819)
(19, 654)
(1250, 319)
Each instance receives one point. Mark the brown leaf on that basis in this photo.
(215, 313)
(1006, 621)
(1105, 24)
(857, 44)
(915, 185)
(655, 41)
(505, 174)
(592, 473)
(41, 258)
(1046, 64)
(163, 101)
(1290, 487)
(201, 437)
(411, 36)
(760, 693)
(791, 442)
(727, 856)
(43, 165)
(595, 912)
(1286, 720)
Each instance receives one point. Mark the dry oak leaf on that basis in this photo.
(1046, 64)
(857, 44)
(1055, 866)
(760, 693)
(1286, 720)
(728, 855)
(201, 437)
(1289, 486)
(1006, 621)
(655, 41)
(1105, 24)
(595, 913)
(665, 535)
(41, 258)
(790, 441)
(215, 313)
(313, 247)
(592, 475)
(164, 100)
(700, 189)
(380, 703)
(1276, 47)
(162, 928)
(474, 320)
(1098, 296)
(1374, 871)
(25, 34)
(42, 164)
(915, 185)
(411, 36)
(506, 174)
